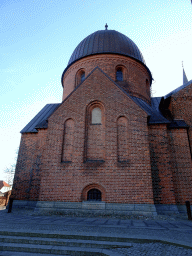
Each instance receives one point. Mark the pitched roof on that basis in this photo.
(178, 89)
(155, 116)
(3, 184)
(178, 124)
(40, 120)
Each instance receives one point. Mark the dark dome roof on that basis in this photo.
(106, 41)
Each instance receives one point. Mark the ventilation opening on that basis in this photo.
(94, 195)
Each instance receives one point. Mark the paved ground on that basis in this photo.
(163, 236)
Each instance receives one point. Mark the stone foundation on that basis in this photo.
(44, 207)
(101, 208)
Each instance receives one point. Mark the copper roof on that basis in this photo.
(106, 41)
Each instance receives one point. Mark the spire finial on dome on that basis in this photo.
(106, 26)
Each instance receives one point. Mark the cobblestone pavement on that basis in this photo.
(163, 236)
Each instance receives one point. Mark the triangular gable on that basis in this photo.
(41, 119)
(126, 93)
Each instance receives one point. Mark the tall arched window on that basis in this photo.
(68, 140)
(96, 116)
(122, 139)
(95, 133)
(119, 74)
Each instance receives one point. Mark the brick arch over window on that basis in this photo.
(68, 140)
(93, 186)
(120, 73)
(95, 132)
(122, 139)
(80, 76)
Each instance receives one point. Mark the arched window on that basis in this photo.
(95, 132)
(122, 140)
(68, 141)
(94, 195)
(119, 74)
(82, 76)
(96, 116)
(147, 87)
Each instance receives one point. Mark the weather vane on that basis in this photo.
(106, 26)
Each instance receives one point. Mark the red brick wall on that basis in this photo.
(128, 182)
(181, 107)
(181, 165)
(163, 188)
(135, 74)
(181, 142)
(28, 169)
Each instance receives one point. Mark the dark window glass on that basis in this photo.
(119, 74)
(82, 76)
(94, 195)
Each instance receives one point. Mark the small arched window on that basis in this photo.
(147, 87)
(94, 195)
(119, 74)
(96, 116)
(82, 76)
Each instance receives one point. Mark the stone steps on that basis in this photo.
(58, 244)
(11, 253)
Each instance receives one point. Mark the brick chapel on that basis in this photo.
(108, 147)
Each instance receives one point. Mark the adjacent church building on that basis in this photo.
(109, 147)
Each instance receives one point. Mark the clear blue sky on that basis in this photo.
(38, 37)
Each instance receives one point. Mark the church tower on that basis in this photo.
(107, 147)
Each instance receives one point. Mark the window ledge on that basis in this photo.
(123, 163)
(66, 162)
(94, 162)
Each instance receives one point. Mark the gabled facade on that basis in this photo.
(108, 147)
